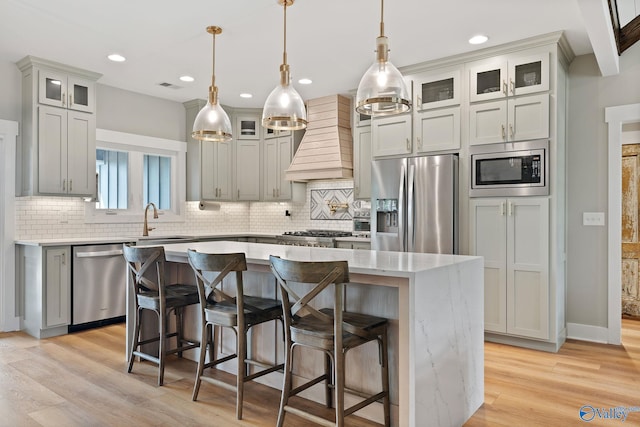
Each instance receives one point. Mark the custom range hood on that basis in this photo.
(325, 151)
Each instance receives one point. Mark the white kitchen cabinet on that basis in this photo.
(509, 75)
(277, 155)
(436, 130)
(515, 119)
(247, 127)
(353, 245)
(247, 169)
(391, 135)
(216, 170)
(437, 89)
(66, 152)
(513, 237)
(59, 89)
(58, 130)
(44, 277)
(362, 162)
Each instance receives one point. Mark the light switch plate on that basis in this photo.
(593, 218)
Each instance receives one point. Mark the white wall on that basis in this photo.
(589, 95)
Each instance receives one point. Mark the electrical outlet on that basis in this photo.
(593, 218)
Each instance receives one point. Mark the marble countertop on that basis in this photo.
(380, 263)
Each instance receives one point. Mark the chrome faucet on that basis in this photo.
(145, 227)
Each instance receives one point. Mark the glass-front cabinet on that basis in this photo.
(437, 89)
(62, 90)
(509, 76)
(273, 133)
(247, 127)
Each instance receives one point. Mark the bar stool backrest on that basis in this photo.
(224, 264)
(139, 262)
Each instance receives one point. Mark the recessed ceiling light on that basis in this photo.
(305, 81)
(116, 57)
(246, 95)
(479, 39)
(187, 78)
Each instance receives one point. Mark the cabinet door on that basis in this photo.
(285, 155)
(272, 133)
(248, 127)
(488, 239)
(488, 122)
(57, 287)
(248, 170)
(52, 88)
(529, 74)
(528, 267)
(208, 189)
(362, 163)
(391, 135)
(437, 130)
(528, 117)
(223, 169)
(81, 154)
(437, 89)
(52, 150)
(81, 96)
(488, 80)
(270, 169)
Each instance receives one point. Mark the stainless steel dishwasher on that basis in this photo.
(98, 288)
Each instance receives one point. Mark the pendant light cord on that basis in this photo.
(213, 62)
(284, 53)
(381, 18)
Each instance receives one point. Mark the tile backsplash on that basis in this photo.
(62, 217)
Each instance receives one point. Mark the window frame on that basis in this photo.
(137, 146)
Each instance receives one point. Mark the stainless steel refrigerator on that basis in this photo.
(414, 204)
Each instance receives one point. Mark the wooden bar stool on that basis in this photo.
(146, 266)
(240, 313)
(332, 331)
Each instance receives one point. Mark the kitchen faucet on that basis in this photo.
(145, 227)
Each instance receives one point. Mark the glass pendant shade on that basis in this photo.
(212, 122)
(284, 108)
(382, 90)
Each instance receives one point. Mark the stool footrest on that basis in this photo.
(219, 383)
(146, 356)
(264, 372)
(308, 384)
(310, 417)
(364, 403)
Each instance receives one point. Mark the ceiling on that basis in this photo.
(331, 42)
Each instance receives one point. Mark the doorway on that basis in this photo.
(619, 119)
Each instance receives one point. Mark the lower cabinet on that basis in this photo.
(513, 237)
(44, 276)
(353, 245)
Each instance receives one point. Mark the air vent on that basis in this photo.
(169, 85)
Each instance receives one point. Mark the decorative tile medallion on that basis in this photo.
(332, 204)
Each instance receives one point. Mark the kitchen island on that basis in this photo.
(435, 303)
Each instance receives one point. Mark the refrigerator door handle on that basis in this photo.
(402, 236)
(410, 209)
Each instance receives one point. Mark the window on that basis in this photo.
(134, 170)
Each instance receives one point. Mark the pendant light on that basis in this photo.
(212, 122)
(382, 90)
(284, 108)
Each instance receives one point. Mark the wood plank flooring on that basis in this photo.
(80, 380)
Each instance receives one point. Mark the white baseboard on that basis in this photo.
(578, 331)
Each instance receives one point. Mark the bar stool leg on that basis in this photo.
(203, 354)
(328, 381)
(286, 384)
(136, 339)
(241, 352)
(179, 339)
(385, 377)
(162, 321)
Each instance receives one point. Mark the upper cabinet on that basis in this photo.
(67, 91)
(59, 129)
(362, 162)
(437, 89)
(506, 76)
(391, 135)
(216, 170)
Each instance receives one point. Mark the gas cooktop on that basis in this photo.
(318, 233)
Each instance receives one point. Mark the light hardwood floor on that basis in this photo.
(80, 380)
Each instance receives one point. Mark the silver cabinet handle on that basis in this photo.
(511, 131)
(64, 258)
(419, 143)
(238, 193)
(273, 192)
(64, 99)
(419, 102)
(64, 185)
(501, 208)
(277, 192)
(510, 208)
(504, 88)
(70, 185)
(408, 144)
(513, 87)
(502, 131)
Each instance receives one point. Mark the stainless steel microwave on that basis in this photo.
(510, 169)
